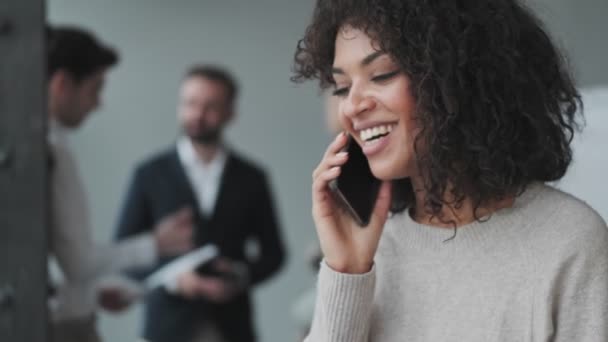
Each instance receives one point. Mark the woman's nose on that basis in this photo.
(357, 102)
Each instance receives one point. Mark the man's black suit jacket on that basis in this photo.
(243, 211)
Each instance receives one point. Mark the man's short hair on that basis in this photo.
(218, 74)
(77, 51)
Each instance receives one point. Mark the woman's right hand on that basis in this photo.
(347, 247)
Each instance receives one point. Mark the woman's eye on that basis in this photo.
(341, 91)
(385, 77)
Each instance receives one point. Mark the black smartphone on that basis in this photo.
(356, 188)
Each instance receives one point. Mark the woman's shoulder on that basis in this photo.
(561, 220)
(568, 209)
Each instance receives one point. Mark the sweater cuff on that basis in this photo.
(345, 302)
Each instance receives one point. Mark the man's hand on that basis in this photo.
(174, 233)
(113, 299)
(236, 271)
(191, 285)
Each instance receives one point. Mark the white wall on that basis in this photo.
(580, 27)
(280, 124)
(587, 177)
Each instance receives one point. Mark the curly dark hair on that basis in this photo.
(496, 103)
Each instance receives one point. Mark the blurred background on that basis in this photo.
(279, 124)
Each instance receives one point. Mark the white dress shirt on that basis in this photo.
(203, 177)
(82, 261)
(205, 181)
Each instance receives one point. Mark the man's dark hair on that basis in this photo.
(217, 74)
(496, 103)
(77, 51)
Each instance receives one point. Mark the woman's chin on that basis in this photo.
(386, 172)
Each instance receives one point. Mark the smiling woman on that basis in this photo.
(464, 110)
(368, 81)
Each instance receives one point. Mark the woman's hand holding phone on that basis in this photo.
(347, 247)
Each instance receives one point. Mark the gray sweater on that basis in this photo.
(535, 272)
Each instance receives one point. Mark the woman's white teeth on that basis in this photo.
(375, 132)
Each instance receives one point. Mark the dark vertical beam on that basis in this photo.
(23, 170)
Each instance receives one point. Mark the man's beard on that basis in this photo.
(208, 136)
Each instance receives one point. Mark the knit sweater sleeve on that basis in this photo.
(343, 307)
(577, 302)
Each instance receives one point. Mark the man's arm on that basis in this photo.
(135, 214)
(172, 234)
(135, 217)
(80, 258)
(268, 235)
